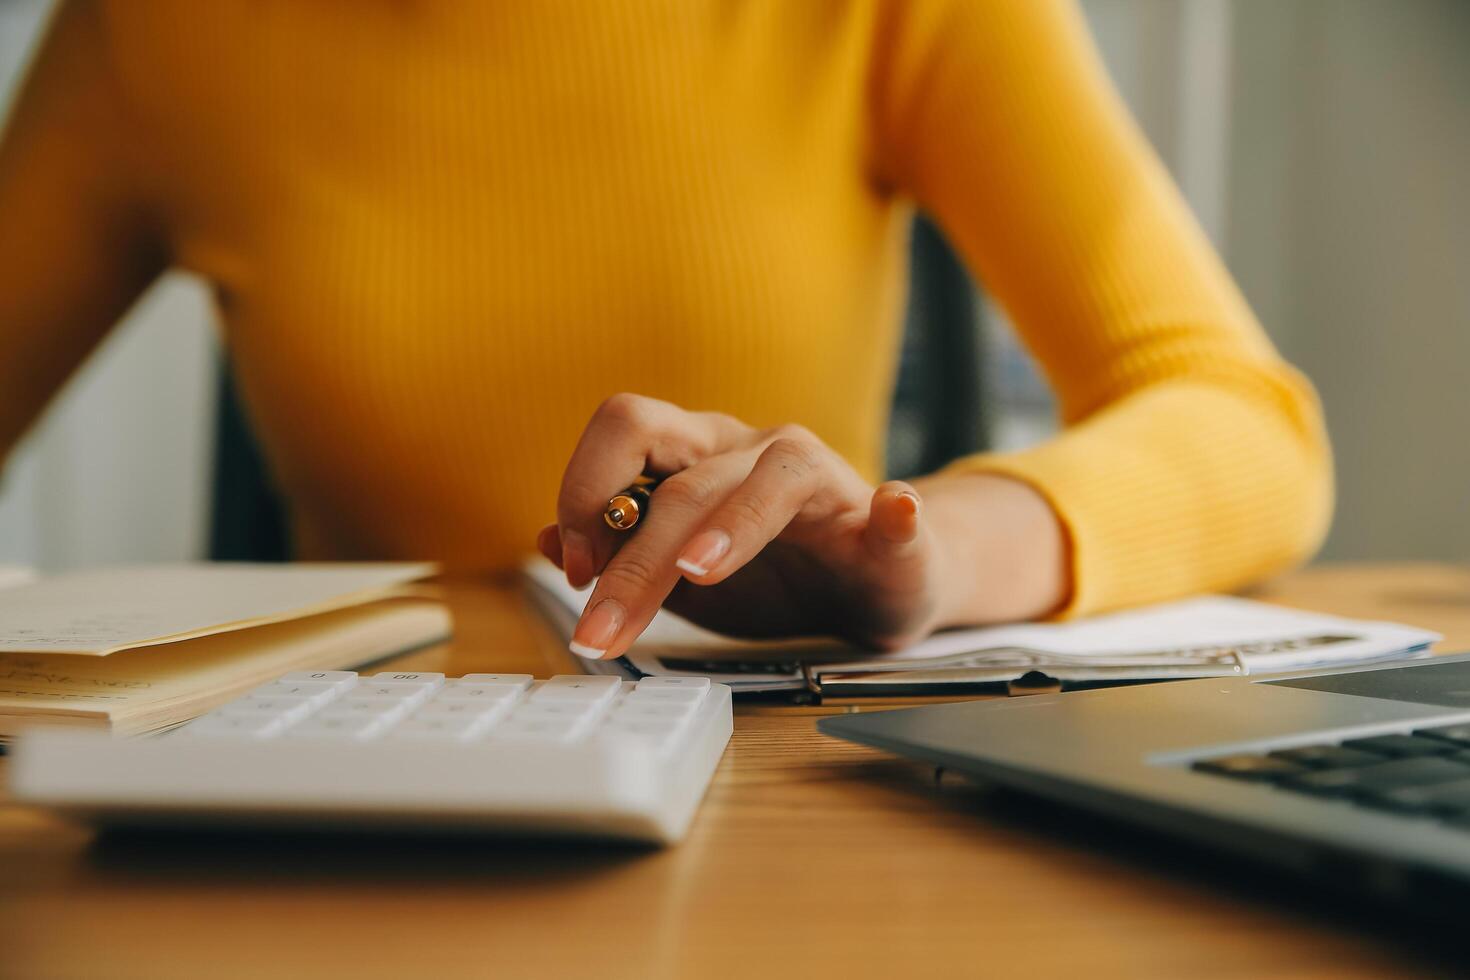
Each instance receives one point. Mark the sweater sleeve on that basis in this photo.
(1192, 457)
(76, 246)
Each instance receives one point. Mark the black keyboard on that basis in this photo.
(1426, 773)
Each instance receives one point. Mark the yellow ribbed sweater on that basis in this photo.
(441, 231)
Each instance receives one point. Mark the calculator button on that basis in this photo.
(444, 728)
(534, 730)
(236, 726)
(410, 694)
(644, 726)
(400, 677)
(674, 695)
(517, 681)
(315, 692)
(287, 709)
(697, 683)
(340, 727)
(460, 691)
(366, 708)
(634, 710)
(657, 733)
(339, 678)
(571, 687)
(561, 711)
(440, 708)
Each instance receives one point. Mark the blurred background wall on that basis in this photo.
(1349, 228)
(1324, 143)
(116, 470)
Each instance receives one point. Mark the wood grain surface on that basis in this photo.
(810, 857)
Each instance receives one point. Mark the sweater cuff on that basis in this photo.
(1175, 491)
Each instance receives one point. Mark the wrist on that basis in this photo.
(1001, 549)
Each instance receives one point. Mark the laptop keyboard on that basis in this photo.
(1426, 773)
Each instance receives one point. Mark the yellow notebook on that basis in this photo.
(142, 648)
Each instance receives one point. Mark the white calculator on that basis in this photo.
(499, 753)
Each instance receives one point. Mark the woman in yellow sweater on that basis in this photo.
(444, 235)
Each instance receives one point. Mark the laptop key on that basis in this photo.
(1257, 768)
(1400, 746)
(1457, 734)
(1440, 798)
(1326, 756)
(1380, 778)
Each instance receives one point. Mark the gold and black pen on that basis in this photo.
(630, 505)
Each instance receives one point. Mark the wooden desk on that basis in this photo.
(810, 856)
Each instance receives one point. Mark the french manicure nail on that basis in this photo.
(600, 625)
(701, 554)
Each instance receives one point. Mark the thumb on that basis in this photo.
(892, 533)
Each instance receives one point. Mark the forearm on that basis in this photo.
(1003, 549)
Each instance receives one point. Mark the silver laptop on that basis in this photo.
(1362, 777)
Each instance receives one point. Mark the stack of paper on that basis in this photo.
(141, 648)
(1202, 637)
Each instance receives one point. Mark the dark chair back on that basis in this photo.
(248, 518)
(939, 403)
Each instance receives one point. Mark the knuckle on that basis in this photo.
(672, 454)
(688, 489)
(796, 433)
(630, 571)
(794, 454)
(746, 510)
(624, 408)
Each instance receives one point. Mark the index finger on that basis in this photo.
(640, 577)
(628, 435)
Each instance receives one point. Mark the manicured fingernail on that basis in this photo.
(599, 627)
(911, 500)
(701, 554)
(576, 558)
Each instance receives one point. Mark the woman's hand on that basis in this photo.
(766, 532)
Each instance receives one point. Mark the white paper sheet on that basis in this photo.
(1206, 631)
(1208, 635)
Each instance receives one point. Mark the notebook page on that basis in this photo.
(102, 611)
(1209, 631)
(1207, 635)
